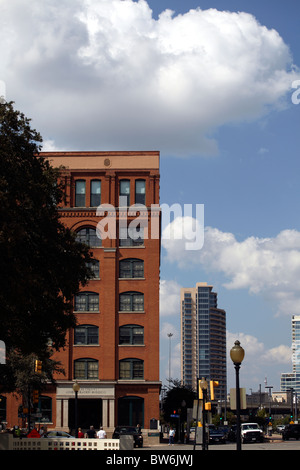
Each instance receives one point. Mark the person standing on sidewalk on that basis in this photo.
(171, 436)
(101, 434)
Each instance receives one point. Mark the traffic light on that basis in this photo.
(200, 391)
(35, 396)
(38, 367)
(213, 384)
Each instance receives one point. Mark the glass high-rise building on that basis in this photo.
(291, 380)
(203, 338)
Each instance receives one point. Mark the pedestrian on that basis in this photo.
(101, 434)
(17, 431)
(171, 436)
(91, 433)
(80, 433)
(139, 429)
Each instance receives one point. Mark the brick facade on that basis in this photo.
(117, 369)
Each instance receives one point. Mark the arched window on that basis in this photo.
(80, 193)
(86, 334)
(129, 236)
(131, 369)
(95, 200)
(131, 334)
(131, 302)
(86, 368)
(89, 236)
(131, 268)
(86, 302)
(94, 266)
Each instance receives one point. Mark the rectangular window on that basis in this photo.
(124, 193)
(95, 193)
(80, 193)
(140, 192)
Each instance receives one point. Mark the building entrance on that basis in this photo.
(130, 411)
(89, 413)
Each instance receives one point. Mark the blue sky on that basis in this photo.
(210, 86)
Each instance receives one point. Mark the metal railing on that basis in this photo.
(13, 443)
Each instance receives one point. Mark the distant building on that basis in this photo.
(203, 338)
(291, 380)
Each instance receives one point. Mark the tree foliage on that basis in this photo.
(178, 398)
(42, 264)
(19, 373)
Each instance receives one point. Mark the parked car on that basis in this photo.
(58, 435)
(231, 436)
(291, 431)
(280, 428)
(216, 436)
(225, 430)
(129, 431)
(251, 432)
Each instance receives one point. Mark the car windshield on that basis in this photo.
(250, 426)
(128, 430)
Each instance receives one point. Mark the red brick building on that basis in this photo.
(113, 353)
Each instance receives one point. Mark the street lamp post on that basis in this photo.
(76, 388)
(204, 385)
(170, 336)
(237, 354)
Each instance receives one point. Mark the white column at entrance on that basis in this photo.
(104, 413)
(58, 413)
(111, 413)
(65, 423)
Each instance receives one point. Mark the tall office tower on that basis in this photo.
(113, 353)
(291, 380)
(203, 338)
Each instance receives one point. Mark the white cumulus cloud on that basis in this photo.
(104, 74)
(265, 266)
(169, 298)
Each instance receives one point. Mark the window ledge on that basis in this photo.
(131, 311)
(135, 247)
(130, 381)
(84, 311)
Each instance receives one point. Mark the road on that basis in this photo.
(271, 443)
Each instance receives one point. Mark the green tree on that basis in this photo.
(174, 399)
(42, 263)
